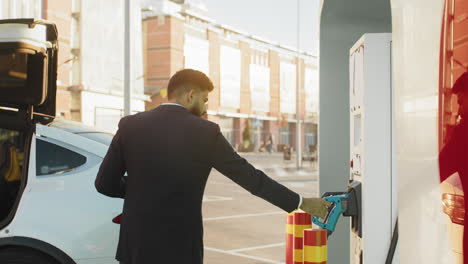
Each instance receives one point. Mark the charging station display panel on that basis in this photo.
(371, 174)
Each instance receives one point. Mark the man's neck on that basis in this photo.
(172, 102)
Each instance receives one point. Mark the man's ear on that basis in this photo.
(190, 96)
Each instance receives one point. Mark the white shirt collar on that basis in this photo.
(173, 104)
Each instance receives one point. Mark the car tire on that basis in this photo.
(24, 255)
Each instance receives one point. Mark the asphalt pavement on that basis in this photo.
(241, 228)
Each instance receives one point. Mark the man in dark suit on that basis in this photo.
(168, 153)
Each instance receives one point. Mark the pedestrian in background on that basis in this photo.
(270, 143)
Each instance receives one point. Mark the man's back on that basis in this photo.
(167, 149)
(168, 154)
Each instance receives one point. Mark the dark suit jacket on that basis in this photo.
(168, 154)
(454, 158)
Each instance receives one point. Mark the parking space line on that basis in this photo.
(243, 255)
(221, 183)
(297, 184)
(242, 216)
(258, 247)
(214, 198)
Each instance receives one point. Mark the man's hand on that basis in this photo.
(315, 206)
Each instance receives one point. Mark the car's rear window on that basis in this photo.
(101, 137)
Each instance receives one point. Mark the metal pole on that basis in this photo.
(298, 97)
(127, 65)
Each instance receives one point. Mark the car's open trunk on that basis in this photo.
(28, 76)
(14, 161)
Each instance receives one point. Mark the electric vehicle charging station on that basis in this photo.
(422, 54)
(371, 148)
(371, 198)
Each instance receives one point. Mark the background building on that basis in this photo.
(91, 60)
(254, 79)
(60, 12)
(98, 65)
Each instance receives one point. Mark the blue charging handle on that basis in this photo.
(329, 223)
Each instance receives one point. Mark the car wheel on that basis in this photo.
(23, 255)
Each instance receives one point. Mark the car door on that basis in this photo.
(62, 207)
(28, 75)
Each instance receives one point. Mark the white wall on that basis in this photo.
(416, 40)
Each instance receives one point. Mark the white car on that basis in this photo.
(50, 211)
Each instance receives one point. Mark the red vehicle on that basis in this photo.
(453, 132)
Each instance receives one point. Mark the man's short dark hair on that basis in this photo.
(185, 80)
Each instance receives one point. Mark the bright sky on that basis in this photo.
(275, 20)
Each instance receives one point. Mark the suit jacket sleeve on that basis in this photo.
(229, 163)
(110, 179)
(449, 157)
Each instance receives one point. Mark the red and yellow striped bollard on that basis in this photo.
(302, 221)
(289, 238)
(315, 246)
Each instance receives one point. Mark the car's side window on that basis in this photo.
(55, 159)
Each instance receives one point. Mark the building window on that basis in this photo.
(259, 57)
(196, 54)
(230, 76)
(54, 159)
(19, 9)
(287, 88)
(311, 139)
(312, 90)
(260, 87)
(284, 136)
